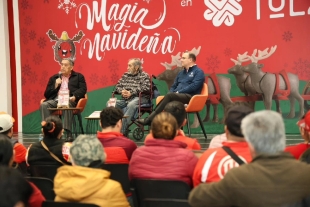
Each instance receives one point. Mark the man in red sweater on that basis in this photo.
(216, 162)
(6, 128)
(177, 109)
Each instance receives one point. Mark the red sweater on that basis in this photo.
(117, 147)
(36, 197)
(297, 150)
(163, 159)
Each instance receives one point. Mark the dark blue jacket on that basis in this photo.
(190, 82)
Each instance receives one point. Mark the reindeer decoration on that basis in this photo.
(64, 47)
(243, 79)
(269, 84)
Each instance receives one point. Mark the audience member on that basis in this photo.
(66, 79)
(6, 128)
(214, 163)
(52, 150)
(118, 148)
(304, 128)
(273, 178)
(15, 190)
(177, 110)
(188, 83)
(85, 181)
(162, 157)
(129, 86)
(6, 159)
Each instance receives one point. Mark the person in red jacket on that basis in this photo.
(177, 109)
(6, 159)
(216, 162)
(304, 128)
(163, 158)
(118, 147)
(6, 128)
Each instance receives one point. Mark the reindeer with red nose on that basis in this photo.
(270, 85)
(64, 47)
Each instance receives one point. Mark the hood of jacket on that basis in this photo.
(76, 183)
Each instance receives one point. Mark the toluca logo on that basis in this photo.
(222, 11)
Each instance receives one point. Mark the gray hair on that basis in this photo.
(137, 62)
(265, 131)
(71, 62)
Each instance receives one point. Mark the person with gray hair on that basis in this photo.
(66, 79)
(85, 181)
(134, 81)
(273, 178)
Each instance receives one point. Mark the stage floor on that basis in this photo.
(28, 139)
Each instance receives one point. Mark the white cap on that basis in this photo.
(6, 122)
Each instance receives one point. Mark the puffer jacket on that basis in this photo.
(88, 185)
(163, 159)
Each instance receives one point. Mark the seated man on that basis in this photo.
(216, 162)
(85, 181)
(67, 79)
(273, 178)
(6, 128)
(118, 148)
(177, 109)
(188, 83)
(129, 86)
(163, 158)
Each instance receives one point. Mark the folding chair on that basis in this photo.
(45, 171)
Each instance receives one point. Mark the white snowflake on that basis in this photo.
(66, 5)
(147, 1)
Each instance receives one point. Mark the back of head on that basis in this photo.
(177, 110)
(52, 126)
(13, 187)
(6, 151)
(234, 116)
(110, 116)
(164, 126)
(6, 123)
(87, 151)
(264, 131)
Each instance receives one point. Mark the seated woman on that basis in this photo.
(52, 150)
(162, 157)
(6, 159)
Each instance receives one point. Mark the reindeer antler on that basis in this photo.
(262, 54)
(241, 58)
(78, 37)
(52, 35)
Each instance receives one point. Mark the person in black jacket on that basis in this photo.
(67, 79)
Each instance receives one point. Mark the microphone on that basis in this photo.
(59, 74)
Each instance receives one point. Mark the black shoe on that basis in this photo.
(144, 122)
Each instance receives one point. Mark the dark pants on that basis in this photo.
(171, 96)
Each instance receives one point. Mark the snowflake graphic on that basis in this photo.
(24, 35)
(42, 42)
(80, 68)
(28, 20)
(114, 78)
(287, 36)
(37, 58)
(227, 52)
(26, 70)
(213, 63)
(94, 79)
(113, 65)
(36, 96)
(28, 51)
(302, 67)
(104, 80)
(25, 4)
(26, 99)
(33, 77)
(32, 35)
(66, 5)
(44, 78)
(24, 80)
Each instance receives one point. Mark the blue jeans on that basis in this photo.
(129, 109)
